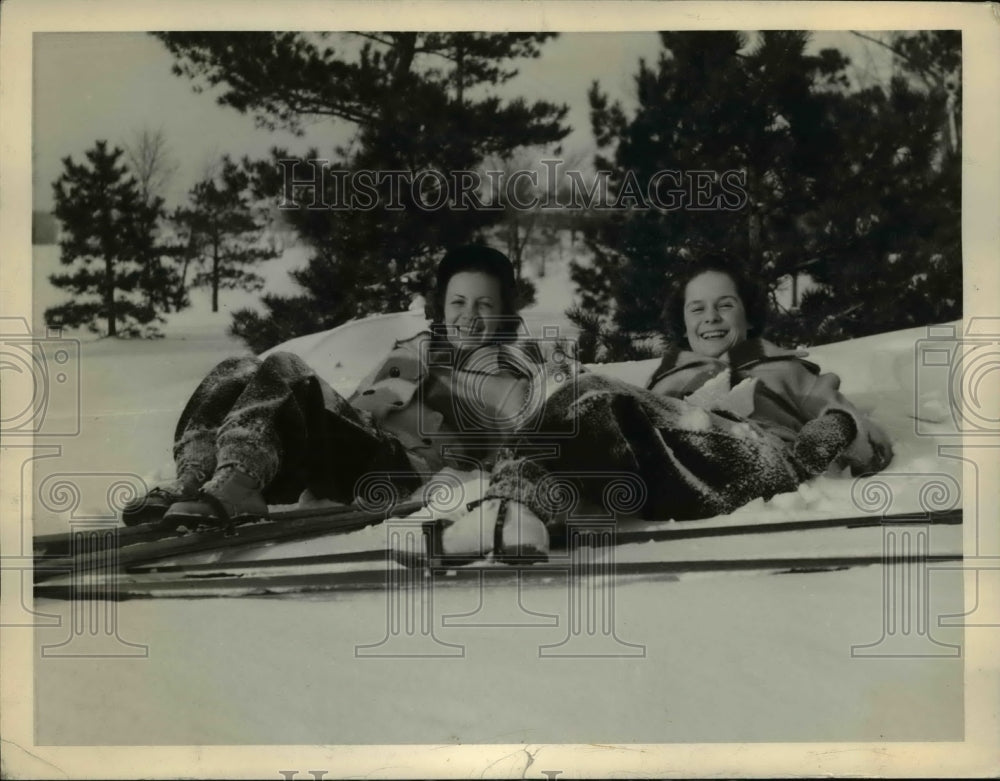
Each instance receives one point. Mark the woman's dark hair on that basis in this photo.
(750, 295)
(476, 258)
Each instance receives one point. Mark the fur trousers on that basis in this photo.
(605, 448)
(279, 422)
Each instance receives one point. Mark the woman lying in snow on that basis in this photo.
(729, 419)
(262, 431)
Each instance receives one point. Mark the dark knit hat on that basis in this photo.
(484, 259)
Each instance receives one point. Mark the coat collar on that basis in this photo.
(744, 356)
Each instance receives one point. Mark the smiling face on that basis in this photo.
(472, 305)
(715, 319)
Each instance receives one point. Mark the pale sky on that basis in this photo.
(90, 86)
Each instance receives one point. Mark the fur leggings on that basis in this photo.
(609, 449)
(277, 421)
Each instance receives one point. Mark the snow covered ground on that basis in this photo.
(737, 657)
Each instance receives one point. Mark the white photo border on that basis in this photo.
(975, 756)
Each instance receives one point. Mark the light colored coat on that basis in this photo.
(775, 388)
(447, 406)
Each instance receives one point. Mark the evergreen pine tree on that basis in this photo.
(108, 239)
(888, 245)
(184, 248)
(420, 101)
(226, 231)
(710, 106)
(151, 165)
(849, 186)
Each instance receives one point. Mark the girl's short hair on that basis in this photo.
(486, 260)
(751, 296)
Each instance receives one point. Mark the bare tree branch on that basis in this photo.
(151, 163)
(372, 37)
(918, 68)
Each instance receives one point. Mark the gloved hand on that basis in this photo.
(823, 439)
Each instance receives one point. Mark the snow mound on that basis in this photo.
(132, 391)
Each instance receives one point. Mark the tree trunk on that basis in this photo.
(109, 296)
(514, 247)
(406, 47)
(144, 281)
(753, 225)
(459, 74)
(154, 293)
(181, 284)
(189, 255)
(215, 276)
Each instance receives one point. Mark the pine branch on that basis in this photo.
(918, 68)
(372, 37)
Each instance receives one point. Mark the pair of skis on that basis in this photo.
(122, 562)
(128, 546)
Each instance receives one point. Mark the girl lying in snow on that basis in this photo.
(262, 431)
(729, 419)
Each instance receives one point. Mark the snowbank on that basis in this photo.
(736, 657)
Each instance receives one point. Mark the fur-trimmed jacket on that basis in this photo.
(775, 388)
(448, 405)
(702, 439)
